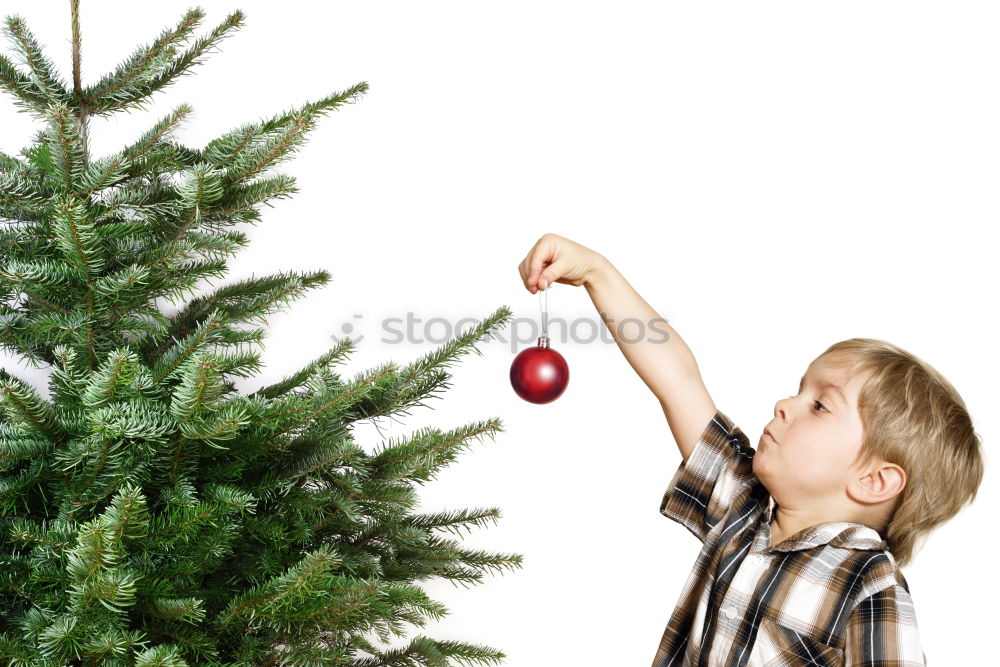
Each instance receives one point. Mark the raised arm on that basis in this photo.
(654, 350)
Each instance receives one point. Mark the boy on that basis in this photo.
(803, 537)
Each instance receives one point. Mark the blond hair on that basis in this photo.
(913, 417)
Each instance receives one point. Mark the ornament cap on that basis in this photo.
(543, 341)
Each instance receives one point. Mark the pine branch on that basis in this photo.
(67, 152)
(425, 376)
(26, 98)
(430, 450)
(206, 333)
(257, 146)
(17, 188)
(313, 571)
(243, 301)
(25, 408)
(454, 521)
(43, 80)
(341, 399)
(154, 67)
(141, 65)
(335, 354)
(432, 653)
(154, 136)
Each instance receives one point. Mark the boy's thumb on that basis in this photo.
(551, 273)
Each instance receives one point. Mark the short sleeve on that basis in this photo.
(718, 468)
(882, 632)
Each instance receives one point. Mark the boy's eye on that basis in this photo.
(815, 403)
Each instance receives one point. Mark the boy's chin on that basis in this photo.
(758, 465)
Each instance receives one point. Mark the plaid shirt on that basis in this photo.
(829, 595)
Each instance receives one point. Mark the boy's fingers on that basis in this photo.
(535, 280)
(551, 274)
(542, 254)
(529, 276)
(526, 274)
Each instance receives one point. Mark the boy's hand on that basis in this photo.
(654, 350)
(555, 259)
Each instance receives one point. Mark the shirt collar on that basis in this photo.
(835, 533)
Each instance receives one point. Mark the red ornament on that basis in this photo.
(539, 374)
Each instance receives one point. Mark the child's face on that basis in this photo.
(817, 435)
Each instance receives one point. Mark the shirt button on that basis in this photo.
(730, 612)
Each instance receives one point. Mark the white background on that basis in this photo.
(772, 177)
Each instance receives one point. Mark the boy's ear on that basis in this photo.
(880, 484)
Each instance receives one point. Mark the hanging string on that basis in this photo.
(545, 310)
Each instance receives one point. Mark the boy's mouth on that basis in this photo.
(771, 437)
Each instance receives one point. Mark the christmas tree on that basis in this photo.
(150, 514)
